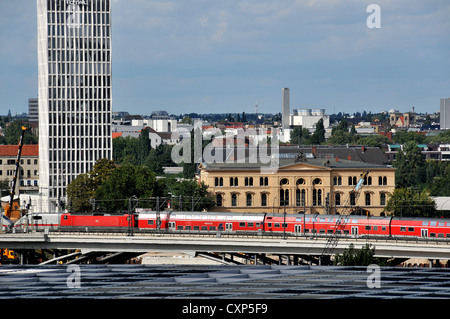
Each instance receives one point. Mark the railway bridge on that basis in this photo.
(220, 246)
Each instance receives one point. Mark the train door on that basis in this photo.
(298, 229)
(229, 227)
(424, 232)
(355, 230)
(172, 226)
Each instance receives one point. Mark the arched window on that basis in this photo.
(317, 197)
(301, 181)
(233, 200)
(337, 199)
(317, 181)
(231, 181)
(352, 199)
(368, 199)
(236, 181)
(219, 200)
(263, 199)
(250, 181)
(284, 197)
(382, 199)
(216, 181)
(284, 181)
(249, 199)
(384, 180)
(300, 196)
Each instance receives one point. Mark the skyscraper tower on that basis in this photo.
(285, 108)
(75, 102)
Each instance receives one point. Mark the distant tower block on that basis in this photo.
(285, 108)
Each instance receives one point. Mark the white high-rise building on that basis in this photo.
(75, 102)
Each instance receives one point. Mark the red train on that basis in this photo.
(238, 223)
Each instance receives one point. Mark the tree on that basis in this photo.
(357, 257)
(441, 185)
(81, 191)
(186, 193)
(409, 203)
(410, 166)
(300, 136)
(13, 131)
(125, 182)
(318, 136)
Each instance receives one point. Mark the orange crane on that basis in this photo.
(9, 207)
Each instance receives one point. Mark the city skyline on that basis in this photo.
(201, 57)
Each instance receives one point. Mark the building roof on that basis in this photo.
(11, 150)
(321, 163)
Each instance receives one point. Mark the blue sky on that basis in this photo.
(221, 56)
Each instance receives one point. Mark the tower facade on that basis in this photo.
(285, 108)
(75, 102)
(445, 114)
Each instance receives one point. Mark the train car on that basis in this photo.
(38, 222)
(6, 223)
(97, 222)
(196, 222)
(421, 227)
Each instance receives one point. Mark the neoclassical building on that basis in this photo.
(313, 185)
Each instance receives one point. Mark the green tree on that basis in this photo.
(300, 136)
(410, 203)
(13, 132)
(440, 185)
(81, 191)
(125, 182)
(186, 193)
(410, 166)
(318, 136)
(357, 257)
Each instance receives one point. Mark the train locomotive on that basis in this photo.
(145, 220)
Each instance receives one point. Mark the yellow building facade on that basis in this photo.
(314, 186)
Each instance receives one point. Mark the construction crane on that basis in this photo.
(342, 219)
(9, 207)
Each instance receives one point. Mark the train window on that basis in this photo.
(65, 217)
(346, 232)
(383, 228)
(241, 224)
(322, 220)
(257, 224)
(432, 234)
(402, 228)
(188, 228)
(284, 225)
(212, 227)
(375, 228)
(269, 224)
(411, 229)
(250, 224)
(329, 231)
(433, 223)
(204, 227)
(441, 224)
(277, 225)
(424, 223)
(150, 222)
(179, 227)
(368, 227)
(441, 235)
(196, 227)
(321, 231)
